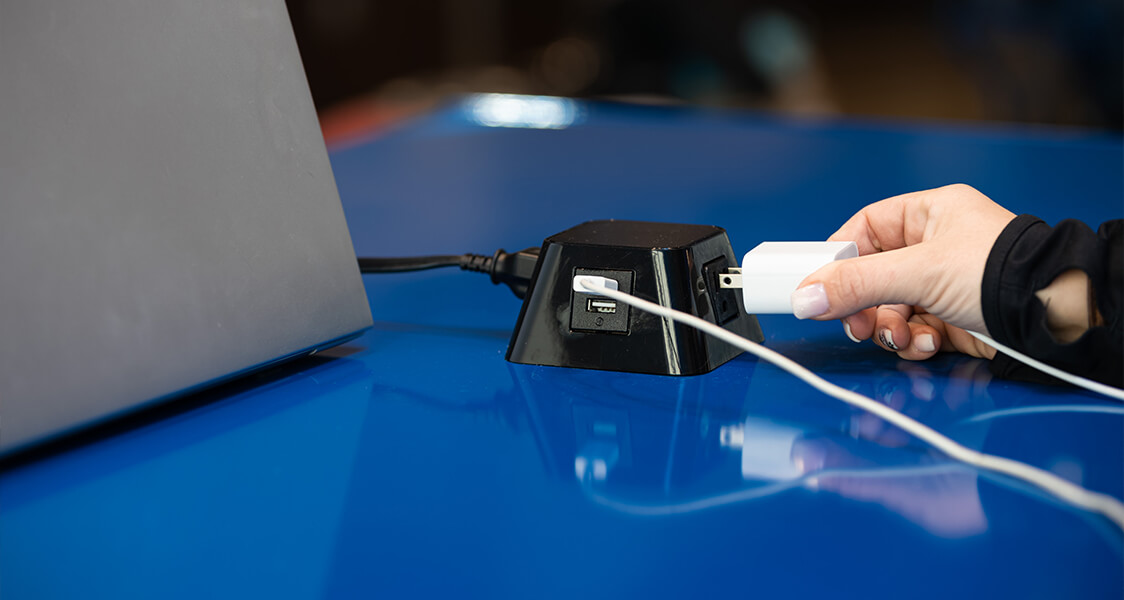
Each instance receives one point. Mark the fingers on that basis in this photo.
(919, 337)
(945, 234)
(954, 339)
(903, 220)
(864, 324)
(924, 249)
(924, 342)
(898, 329)
(960, 340)
(845, 287)
(860, 326)
(888, 224)
(911, 339)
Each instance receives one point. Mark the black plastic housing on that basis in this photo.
(671, 264)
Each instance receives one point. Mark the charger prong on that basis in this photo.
(731, 279)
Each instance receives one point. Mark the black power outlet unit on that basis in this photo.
(670, 264)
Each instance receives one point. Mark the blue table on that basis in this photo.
(417, 462)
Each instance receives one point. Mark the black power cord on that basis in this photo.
(513, 269)
(412, 263)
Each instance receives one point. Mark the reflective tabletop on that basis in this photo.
(417, 462)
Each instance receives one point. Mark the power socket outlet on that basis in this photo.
(671, 264)
(725, 301)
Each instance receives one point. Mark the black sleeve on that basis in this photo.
(1027, 257)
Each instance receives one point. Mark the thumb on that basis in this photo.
(845, 287)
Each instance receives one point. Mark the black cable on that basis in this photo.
(514, 269)
(411, 263)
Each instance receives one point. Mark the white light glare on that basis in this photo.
(530, 112)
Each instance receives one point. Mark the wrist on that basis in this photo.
(1070, 305)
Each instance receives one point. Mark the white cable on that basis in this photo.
(764, 491)
(753, 493)
(1094, 386)
(1048, 409)
(1106, 505)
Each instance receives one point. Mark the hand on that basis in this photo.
(916, 285)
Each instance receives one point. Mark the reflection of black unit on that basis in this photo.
(652, 437)
(670, 264)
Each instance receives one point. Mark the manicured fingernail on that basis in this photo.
(888, 339)
(847, 330)
(925, 343)
(809, 301)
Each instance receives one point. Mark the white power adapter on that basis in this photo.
(771, 271)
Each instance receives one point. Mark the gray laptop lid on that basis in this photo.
(168, 216)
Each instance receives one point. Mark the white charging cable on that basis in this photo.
(1076, 495)
(1077, 380)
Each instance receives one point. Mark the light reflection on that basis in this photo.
(946, 504)
(658, 447)
(527, 112)
(766, 448)
(594, 460)
(643, 456)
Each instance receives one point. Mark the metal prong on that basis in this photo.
(732, 278)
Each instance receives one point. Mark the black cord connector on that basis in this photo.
(513, 269)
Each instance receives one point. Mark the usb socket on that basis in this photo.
(591, 312)
(601, 305)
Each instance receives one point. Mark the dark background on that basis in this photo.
(1024, 61)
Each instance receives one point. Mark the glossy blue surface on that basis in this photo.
(416, 462)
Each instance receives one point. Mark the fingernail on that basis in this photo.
(888, 339)
(847, 330)
(925, 343)
(809, 301)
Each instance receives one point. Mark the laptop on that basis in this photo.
(168, 215)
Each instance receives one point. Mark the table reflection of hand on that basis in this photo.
(921, 397)
(945, 503)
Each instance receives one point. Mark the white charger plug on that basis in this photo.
(771, 271)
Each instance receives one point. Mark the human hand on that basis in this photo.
(916, 285)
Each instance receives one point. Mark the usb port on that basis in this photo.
(601, 305)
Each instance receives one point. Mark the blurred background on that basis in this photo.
(1032, 61)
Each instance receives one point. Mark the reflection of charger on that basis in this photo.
(766, 448)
